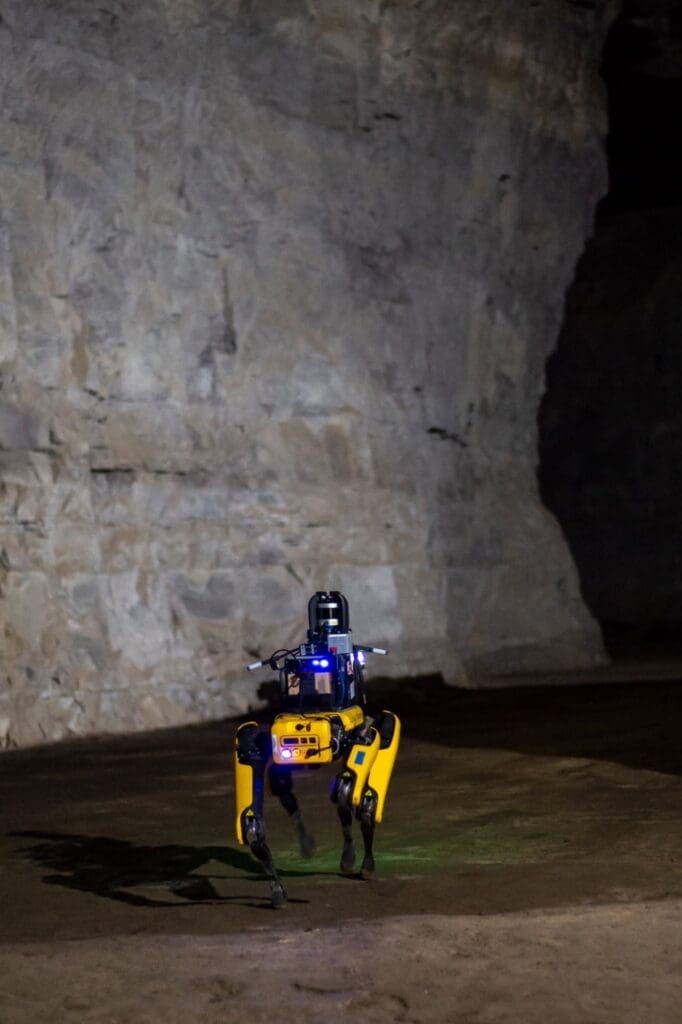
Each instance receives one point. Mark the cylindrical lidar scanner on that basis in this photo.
(327, 613)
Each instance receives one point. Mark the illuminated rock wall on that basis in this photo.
(278, 281)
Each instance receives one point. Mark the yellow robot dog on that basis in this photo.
(322, 720)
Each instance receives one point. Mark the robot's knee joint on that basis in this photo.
(367, 808)
(253, 828)
(342, 790)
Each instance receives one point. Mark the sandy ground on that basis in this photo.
(602, 964)
(529, 869)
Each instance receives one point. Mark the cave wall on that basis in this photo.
(611, 418)
(278, 281)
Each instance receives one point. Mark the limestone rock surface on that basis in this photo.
(278, 281)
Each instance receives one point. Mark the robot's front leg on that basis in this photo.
(250, 757)
(367, 816)
(372, 795)
(342, 791)
(363, 785)
(281, 785)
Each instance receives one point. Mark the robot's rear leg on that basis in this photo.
(281, 785)
(251, 755)
(371, 805)
(342, 792)
(342, 796)
(367, 815)
(362, 786)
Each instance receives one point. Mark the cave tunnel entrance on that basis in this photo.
(610, 423)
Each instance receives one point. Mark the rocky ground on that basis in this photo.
(529, 870)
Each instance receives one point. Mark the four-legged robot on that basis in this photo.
(322, 720)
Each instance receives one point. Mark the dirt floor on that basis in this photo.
(529, 869)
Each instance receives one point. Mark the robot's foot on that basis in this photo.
(278, 895)
(367, 869)
(347, 858)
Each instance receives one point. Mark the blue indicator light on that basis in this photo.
(316, 661)
(359, 757)
(323, 663)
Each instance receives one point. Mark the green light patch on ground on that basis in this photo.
(507, 841)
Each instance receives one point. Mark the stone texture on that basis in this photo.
(278, 281)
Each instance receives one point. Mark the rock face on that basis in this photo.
(278, 281)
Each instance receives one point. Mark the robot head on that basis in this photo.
(327, 614)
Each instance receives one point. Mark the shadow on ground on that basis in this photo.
(111, 868)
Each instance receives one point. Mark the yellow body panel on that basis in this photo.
(302, 739)
(351, 717)
(382, 768)
(360, 761)
(243, 789)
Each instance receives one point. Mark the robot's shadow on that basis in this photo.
(120, 870)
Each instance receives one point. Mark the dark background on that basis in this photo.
(611, 419)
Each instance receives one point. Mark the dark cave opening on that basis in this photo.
(642, 71)
(610, 423)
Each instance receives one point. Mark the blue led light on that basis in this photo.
(323, 663)
(316, 661)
